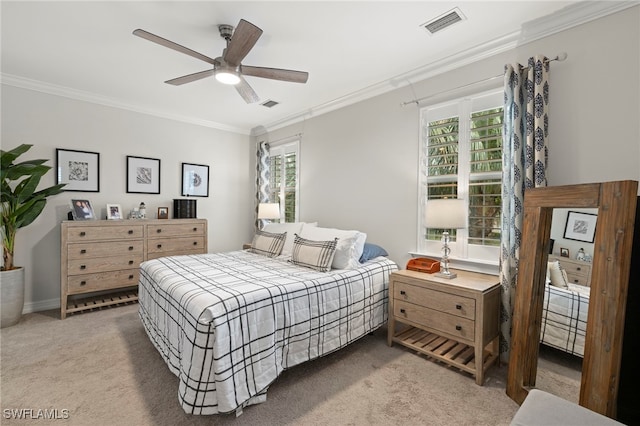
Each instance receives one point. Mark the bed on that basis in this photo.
(228, 324)
(564, 313)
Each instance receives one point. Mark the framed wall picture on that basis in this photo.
(82, 210)
(114, 212)
(195, 180)
(79, 170)
(163, 212)
(580, 226)
(143, 175)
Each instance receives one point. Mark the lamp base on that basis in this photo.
(450, 275)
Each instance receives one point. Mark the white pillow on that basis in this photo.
(349, 248)
(556, 275)
(290, 228)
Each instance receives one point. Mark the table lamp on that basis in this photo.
(445, 213)
(269, 211)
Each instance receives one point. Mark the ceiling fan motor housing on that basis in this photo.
(226, 31)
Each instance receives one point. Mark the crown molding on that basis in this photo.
(564, 19)
(67, 92)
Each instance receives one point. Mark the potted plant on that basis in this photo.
(21, 204)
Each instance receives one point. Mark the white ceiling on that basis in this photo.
(350, 49)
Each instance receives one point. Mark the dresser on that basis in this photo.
(578, 271)
(455, 321)
(100, 259)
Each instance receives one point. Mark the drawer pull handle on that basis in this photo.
(130, 231)
(130, 248)
(402, 292)
(579, 268)
(131, 276)
(159, 246)
(195, 243)
(131, 262)
(158, 230)
(458, 307)
(83, 251)
(195, 229)
(83, 282)
(402, 311)
(458, 327)
(82, 234)
(83, 266)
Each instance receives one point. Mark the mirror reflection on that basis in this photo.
(566, 302)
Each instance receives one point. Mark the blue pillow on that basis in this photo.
(371, 251)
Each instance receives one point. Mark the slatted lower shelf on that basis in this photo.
(124, 297)
(450, 351)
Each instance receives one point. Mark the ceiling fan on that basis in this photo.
(228, 68)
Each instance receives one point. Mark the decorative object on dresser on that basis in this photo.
(195, 180)
(114, 211)
(82, 210)
(456, 322)
(445, 214)
(143, 175)
(104, 257)
(21, 204)
(163, 212)
(185, 209)
(78, 170)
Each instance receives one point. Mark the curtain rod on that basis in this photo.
(560, 57)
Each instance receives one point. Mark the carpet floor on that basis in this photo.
(100, 368)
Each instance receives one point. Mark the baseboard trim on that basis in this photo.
(42, 305)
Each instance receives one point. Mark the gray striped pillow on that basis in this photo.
(267, 243)
(316, 255)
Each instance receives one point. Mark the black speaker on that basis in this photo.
(184, 209)
(628, 407)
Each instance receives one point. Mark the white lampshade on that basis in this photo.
(269, 211)
(445, 213)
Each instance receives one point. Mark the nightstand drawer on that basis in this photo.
(460, 328)
(444, 302)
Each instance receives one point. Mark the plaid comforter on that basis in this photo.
(227, 324)
(564, 318)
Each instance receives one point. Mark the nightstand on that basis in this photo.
(246, 246)
(455, 321)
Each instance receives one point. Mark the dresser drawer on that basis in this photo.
(175, 230)
(461, 329)
(444, 302)
(89, 250)
(577, 268)
(104, 264)
(580, 279)
(103, 233)
(102, 281)
(167, 245)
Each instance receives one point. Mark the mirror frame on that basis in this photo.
(616, 204)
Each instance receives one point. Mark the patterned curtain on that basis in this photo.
(262, 179)
(524, 165)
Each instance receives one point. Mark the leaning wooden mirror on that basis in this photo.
(616, 203)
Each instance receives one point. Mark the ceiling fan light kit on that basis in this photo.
(227, 68)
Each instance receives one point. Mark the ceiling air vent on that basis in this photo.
(443, 21)
(269, 103)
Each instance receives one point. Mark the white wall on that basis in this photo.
(359, 164)
(49, 122)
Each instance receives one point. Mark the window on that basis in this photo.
(283, 182)
(461, 157)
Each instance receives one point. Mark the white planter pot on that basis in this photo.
(11, 296)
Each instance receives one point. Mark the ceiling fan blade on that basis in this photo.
(242, 41)
(190, 77)
(247, 93)
(171, 45)
(275, 73)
